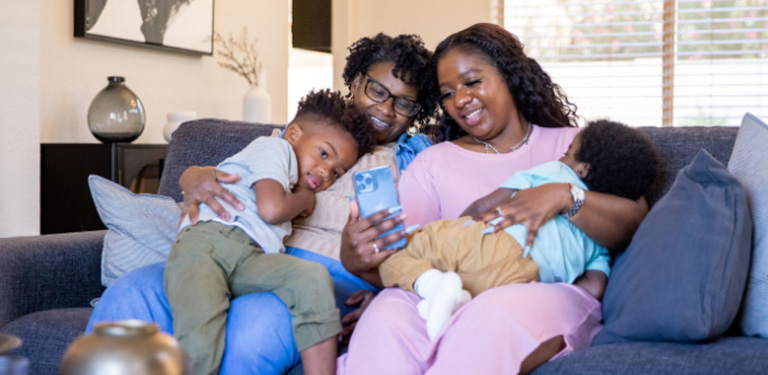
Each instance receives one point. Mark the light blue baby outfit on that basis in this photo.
(562, 251)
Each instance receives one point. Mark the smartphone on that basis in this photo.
(375, 191)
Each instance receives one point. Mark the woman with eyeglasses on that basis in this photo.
(389, 80)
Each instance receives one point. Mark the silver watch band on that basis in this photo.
(577, 194)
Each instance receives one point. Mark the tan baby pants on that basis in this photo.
(482, 261)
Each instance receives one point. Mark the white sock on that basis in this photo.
(442, 295)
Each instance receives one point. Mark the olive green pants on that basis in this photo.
(482, 261)
(212, 263)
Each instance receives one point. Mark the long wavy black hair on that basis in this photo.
(412, 66)
(539, 100)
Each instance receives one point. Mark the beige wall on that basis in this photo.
(48, 79)
(433, 20)
(75, 69)
(19, 118)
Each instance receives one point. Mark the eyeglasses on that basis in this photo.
(380, 94)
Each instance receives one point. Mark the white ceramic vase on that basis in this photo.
(257, 104)
(174, 120)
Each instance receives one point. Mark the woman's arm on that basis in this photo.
(203, 185)
(609, 220)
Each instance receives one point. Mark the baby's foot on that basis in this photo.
(442, 294)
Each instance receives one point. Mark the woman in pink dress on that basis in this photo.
(503, 114)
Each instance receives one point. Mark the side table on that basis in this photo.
(65, 198)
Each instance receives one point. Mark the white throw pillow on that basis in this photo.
(140, 227)
(749, 163)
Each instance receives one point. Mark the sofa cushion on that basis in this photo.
(726, 356)
(46, 335)
(683, 275)
(140, 227)
(679, 145)
(205, 142)
(749, 163)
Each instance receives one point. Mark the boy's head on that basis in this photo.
(613, 158)
(328, 135)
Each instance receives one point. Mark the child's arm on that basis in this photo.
(276, 205)
(488, 202)
(593, 282)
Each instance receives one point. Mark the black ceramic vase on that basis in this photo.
(116, 114)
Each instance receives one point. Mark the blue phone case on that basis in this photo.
(375, 190)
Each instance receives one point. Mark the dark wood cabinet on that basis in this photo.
(65, 198)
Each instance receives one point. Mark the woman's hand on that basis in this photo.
(359, 243)
(363, 298)
(202, 185)
(532, 207)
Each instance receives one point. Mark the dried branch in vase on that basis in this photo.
(239, 55)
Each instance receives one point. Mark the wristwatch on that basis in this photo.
(577, 194)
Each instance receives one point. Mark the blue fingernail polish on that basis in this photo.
(351, 197)
(496, 221)
(395, 209)
(488, 230)
(412, 228)
(526, 251)
(469, 222)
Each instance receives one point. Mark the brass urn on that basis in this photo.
(127, 347)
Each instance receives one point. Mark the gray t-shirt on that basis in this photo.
(264, 158)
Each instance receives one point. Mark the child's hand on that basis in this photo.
(362, 298)
(307, 196)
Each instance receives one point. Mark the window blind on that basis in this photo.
(651, 62)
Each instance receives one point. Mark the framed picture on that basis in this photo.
(184, 26)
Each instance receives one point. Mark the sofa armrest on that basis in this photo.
(47, 272)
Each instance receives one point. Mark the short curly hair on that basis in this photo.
(537, 97)
(411, 60)
(622, 161)
(331, 108)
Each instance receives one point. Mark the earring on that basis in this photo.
(350, 98)
(413, 130)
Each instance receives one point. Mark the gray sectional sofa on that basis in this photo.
(48, 282)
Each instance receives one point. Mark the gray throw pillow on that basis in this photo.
(140, 227)
(749, 163)
(682, 277)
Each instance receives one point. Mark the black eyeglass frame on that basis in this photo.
(416, 106)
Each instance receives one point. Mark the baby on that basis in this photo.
(215, 261)
(448, 255)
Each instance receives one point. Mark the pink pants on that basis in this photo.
(492, 334)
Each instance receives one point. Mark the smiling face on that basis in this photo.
(475, 94)
(388, 125)
(324, 152)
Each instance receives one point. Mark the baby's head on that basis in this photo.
(328, 136)
(613, 158)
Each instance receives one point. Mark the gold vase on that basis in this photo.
(128, 347)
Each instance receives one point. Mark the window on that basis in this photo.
(651, 62)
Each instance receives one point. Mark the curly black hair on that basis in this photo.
(539, 100)
(622, 161)
(336, 111)
(411, 60)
